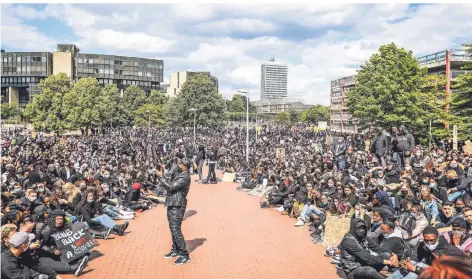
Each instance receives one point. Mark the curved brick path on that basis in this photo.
(228, 236)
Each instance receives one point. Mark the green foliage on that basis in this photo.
(9, 110)
(461, 106)
(83, 105)
(315, 114)
(392, 89)
(133, 98)
(199, 93)
(238, 104)
(110, 109)
(149, 114)
(294, 116)
(283, 117)
(45, 111)
(157, 98)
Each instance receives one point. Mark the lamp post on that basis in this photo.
(149, 120)
(244, 91)
(194, 124)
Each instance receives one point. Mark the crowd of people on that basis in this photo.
(409, 205)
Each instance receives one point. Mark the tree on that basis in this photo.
(388, 91)
(157, 98)
(461, 105)
(45, 111)
(110, 113)
(294, 116)
(237, 104)
(9, 110)
(198, 92)
(82, 106)
(315, 114)
(149, 114)
(133, 98)
(283, 117)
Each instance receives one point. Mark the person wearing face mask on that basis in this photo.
(456, 186)
(67, 172)
(392, 242)
(356, 260)
(13, 264)
(417, 162)
(459, 236)
(176, 202)
(432, 247)
(30, 201)
(132, 198)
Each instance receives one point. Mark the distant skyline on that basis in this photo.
(319, 43)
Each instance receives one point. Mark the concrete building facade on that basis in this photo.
(447, 62)
(274, 106)
(22, 71)
(177, 80)
(273, 80)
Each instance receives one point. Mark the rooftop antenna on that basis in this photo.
(272, 59)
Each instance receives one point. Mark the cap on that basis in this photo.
(20, 238)
(458, 223)
(136, 186)
(57, 212)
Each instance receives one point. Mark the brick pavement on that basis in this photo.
(228, 236)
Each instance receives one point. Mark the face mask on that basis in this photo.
(404, 192)
(433, 185)
(453, 165)
(361, 232)
(106, 176)
(413, 215)
(385, 235)
(357, 212)
(40, 190)
(32, 199)
(106, 190)
(89, 201)
(432, 247)
(15, 191)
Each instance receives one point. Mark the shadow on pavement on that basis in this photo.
(95, 254)
(189, 214)
(194, 244)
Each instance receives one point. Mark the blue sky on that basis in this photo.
(318, 42)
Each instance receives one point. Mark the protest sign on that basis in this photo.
(73, 243)
(335, 229)
(280, 153)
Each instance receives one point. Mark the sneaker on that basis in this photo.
(182, 260)
(299, 223)
(336, 262)
(280, 209)
(82, 265)
(172, 254)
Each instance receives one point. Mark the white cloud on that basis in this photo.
(319, 42)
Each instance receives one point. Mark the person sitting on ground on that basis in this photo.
(356, 260)
(459, 237)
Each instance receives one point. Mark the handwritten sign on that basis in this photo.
(280, 153)
(73, 243)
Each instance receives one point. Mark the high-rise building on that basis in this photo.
(22, 71)
(273, 80)
(177, 79)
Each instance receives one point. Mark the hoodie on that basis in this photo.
(354, 252)
(392, 243)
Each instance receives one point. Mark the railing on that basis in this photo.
(456, 55)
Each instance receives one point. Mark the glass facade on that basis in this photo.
(26, 64)
(120, 70)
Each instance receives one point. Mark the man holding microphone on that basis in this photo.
(176, 202)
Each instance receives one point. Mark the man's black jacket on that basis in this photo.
(177, 189)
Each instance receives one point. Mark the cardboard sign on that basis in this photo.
(63, 141)
(335, 229)
(229, 177)
(73, 243)
(467, 147)
(280, 153)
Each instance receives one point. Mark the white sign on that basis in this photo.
(322, 124)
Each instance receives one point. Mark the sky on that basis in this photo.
(318, 42)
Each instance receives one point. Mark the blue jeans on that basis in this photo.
(402, 274)
(341, 164)
(105, 220)
(452, 197)
(111, 211)
(308, 211)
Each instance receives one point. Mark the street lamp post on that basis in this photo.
(244, 91)
(194, 124)
(149, 121)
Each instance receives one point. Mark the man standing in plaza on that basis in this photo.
(176, 202)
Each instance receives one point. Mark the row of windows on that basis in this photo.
(153, 85)
(36, 70)
(24, 59)
(116, 72)
(112, 67)
(23, 80)
(111, 62)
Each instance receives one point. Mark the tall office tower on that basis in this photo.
(273, 80)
